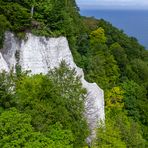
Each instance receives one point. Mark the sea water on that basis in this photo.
(132, 22)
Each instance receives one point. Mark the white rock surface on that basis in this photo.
(3, 64)
(38, 54)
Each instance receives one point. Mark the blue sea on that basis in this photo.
(132, 22)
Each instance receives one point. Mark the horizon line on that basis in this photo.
(94, 8)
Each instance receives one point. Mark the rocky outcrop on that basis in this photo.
(38, 54)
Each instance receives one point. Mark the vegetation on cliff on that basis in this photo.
(42, 110)
(116, 62)
(119, 64)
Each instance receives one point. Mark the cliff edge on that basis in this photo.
(38, 54)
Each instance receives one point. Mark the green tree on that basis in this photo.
(17, 15)
(56, 97)
(109, 136)
(120, 55)
(134, 95)
(16, 131)
(4, 25)
(135, 100)
(141, 69)
(6, 90)
(98, 36)
(114, 98)
(103, 69)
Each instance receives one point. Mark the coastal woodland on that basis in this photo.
(47, 111)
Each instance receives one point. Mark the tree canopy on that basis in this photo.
(49, 110)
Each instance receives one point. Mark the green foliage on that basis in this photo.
(98, 36)
(131, 46)
(120, 56)
(17, 15)
(114, 98)
(50, 109)
(109, 136)
(140, 68)
(53, 105)
(4, 25)
(70, 89)
(6, 89)
(119, 130)
(47, 17)
(130, 131)
(102, 68)
(16, 131)
(119, 66)
(136, 103)
(56, 97)
(62, 138)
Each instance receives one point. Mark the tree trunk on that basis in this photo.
(32, 11)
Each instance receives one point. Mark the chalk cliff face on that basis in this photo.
(38, 54)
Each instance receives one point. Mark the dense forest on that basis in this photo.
(47, 110)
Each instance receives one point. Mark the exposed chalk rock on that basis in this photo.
(38, 54)
(3, 64)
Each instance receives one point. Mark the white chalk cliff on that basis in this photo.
(38, 54)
